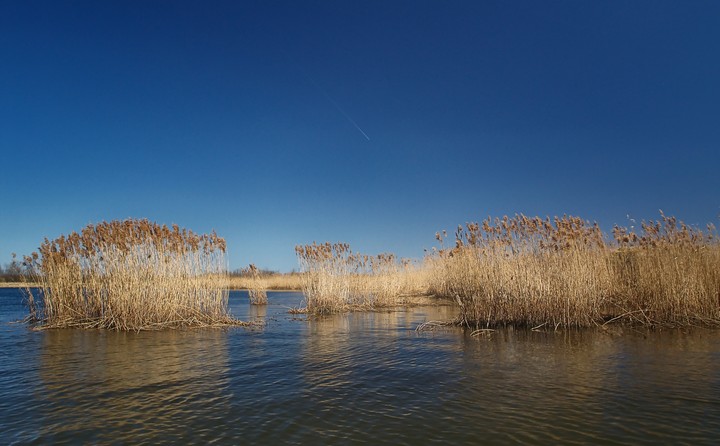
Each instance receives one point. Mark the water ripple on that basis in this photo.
(358, 378)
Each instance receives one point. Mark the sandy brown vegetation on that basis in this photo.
(336, 279)
(566, 272)
(667, 273)
(130, 275)
(273, 281)
(257, 287)
(16, 284)
(524, 271)
(536, 272)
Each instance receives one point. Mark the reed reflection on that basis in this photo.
(116, 386)
(536, 386)
(367, 339)
(258, 313)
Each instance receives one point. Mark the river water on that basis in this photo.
(357, 378)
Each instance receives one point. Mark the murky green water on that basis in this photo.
(359, 378)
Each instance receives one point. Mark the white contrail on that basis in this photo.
(352, 121)
(337, 106)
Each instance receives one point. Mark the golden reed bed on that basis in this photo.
(566, 272)
(535, 272)
(130, 275)
(523, 271)
(335, 279)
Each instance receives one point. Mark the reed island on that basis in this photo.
(129, 275)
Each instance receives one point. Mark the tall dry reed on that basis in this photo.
(257, 287)
(668, 272)
(130, 275)
(336, 279)
(566, 272)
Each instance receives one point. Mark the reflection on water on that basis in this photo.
(356, 378)
(258, 313)
(131, 387)
(588, 386)
(370, 376)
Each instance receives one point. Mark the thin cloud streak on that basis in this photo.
(336, 105)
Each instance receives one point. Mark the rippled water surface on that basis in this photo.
(358, 378)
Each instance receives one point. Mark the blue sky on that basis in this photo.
(253, 118)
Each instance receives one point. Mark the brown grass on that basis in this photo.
(17, 284)
(257, 289)
(130, 275)
(566, 272)
(273, 282)
(534, 272)
(335, 279)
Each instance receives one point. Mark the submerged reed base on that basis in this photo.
(130, 275)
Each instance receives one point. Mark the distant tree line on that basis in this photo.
(12, 272)
(246, 272)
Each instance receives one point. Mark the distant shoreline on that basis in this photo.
(17, 285)
(35, 285)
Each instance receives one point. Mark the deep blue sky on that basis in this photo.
(240, 116)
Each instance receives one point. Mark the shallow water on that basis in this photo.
(358, 378)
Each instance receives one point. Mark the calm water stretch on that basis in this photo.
(358, 378)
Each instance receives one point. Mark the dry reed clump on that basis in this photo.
(335, 279)
(256, 286)
(668, 273)
(130, 275)
(565, 272)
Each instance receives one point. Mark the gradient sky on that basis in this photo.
(371, 122)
